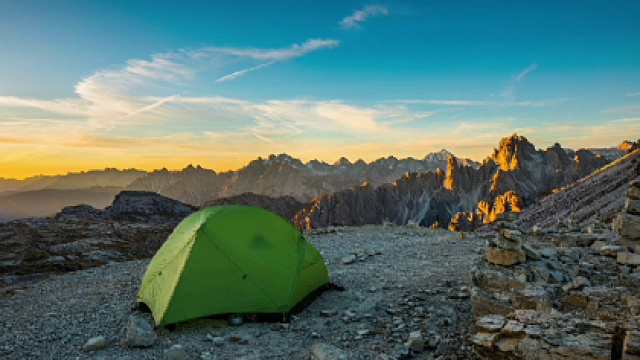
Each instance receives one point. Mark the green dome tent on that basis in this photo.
(231, 259)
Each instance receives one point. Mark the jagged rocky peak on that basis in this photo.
(441, 155)
(391, 158)
(280, 157)
(360, 163)
(343, 161)
(190, 167)
(627, 145)
(511, 151)
(318, 166)
(513, 177)
(557, 156)
(316, 162)
(450, 180)
(283, 159)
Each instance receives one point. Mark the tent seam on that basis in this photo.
(184, 264)
(294, 284)
(188, 245)
(239, 268)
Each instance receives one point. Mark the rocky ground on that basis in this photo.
(399, 283)
(572, 293)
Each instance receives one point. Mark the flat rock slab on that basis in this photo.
(628, 258)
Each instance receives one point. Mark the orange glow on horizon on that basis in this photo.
(57, 165)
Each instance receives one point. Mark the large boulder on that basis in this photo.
(505, 257)
(147, 207)
(140, 333)
(627, 225)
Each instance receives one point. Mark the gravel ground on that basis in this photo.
(413, 280)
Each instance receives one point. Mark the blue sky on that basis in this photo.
(148, 84)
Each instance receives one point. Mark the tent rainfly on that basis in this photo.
(231, 259)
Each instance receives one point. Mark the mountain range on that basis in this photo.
(274, 176)
(423, 191)
(515, 175)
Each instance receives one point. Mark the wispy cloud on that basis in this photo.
(627, 109)
(526, 72)
(274, 55)
(509, 90)
(239, 73)
(360, 16)
(110, 96)
(293, 51)
(73, 107)
(140, 115)
(465, 103)
(635, 121)
(634, 94)
(153, 105)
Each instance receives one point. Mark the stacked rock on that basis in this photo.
(506, 249)
(572, 224)
(627, 225)
(597, 227)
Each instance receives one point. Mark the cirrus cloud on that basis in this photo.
(360, 16)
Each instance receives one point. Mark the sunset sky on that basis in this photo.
(151, 84)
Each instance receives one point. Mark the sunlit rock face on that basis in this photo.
(514, 176)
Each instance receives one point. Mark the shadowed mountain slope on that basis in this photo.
(285, 206)
(47, 202)
(600, 194)
(283, 175)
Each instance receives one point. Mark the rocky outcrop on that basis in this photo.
(82, 212)
(131, 206)
(569, 297)
(627, 223)
(285, 206)
(531, 172)
(572, 303)
(415, 198)
(80, 237)
(509, 180)
(33, 249)
(147, 207)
